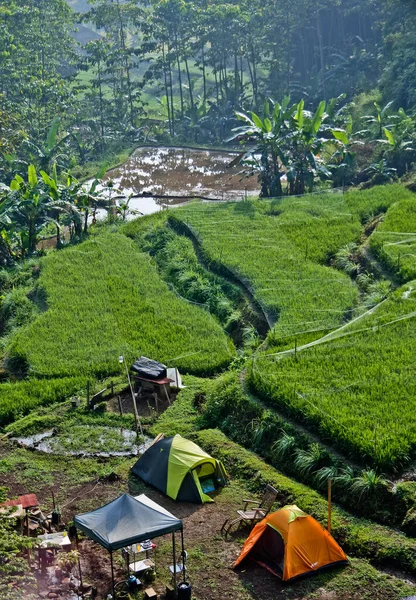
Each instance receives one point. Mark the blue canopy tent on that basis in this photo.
(126, 521)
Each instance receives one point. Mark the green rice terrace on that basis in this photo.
(293, 324)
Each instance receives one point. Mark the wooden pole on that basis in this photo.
(28, 535)
(329, 504)
(137, 422)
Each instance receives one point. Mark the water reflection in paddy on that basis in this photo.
(180, 172)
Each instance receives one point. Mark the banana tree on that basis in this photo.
(288, 142)
(377, 120)
(32, 204)
(63, 202)
(342, 159)
(267, 157)
(6, 226)
(49, 153)
(304, 144)
(399, 141)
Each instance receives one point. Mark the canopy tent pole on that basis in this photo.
(107, 525)
(183, 557)
(112, 574)
(79, 563)
(175, 589)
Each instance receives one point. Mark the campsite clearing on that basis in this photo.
(210, 556)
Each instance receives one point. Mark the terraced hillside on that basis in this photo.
(281, 250)
(104, 298)
(356, 386)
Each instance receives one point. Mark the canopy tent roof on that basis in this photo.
(127, 520)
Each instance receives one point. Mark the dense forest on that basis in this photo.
(325, 91)
(290, 314)
(188, 66)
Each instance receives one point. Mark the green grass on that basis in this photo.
(369, 203)
(394, 241)
(18, 399)
(104, 299)
(279, 249)
(358, 388)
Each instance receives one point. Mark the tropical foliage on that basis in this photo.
(290, 143)
(186, 67)
(28, 205)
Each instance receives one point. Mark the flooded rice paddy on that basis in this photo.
(107, 441)
(171, 176)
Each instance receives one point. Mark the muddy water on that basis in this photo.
(180, 172)
(49, 443)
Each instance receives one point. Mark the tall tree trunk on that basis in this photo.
(179, 75)
(171, 95)
(204, 78)
(250, 70)
(166, 88)
(321, 50)
(191, 94)
(126, 62)
(217, 93)
(236, 77)
(100, 100)
(253, 60)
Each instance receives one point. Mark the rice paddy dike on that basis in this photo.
(298, 312)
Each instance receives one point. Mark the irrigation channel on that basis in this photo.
(158, 178)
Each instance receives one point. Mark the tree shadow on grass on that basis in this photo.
(244, 208)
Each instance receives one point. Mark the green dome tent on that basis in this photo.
(180, 469)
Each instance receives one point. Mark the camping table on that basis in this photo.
(138, 566)
(51, 541)
(54, 540)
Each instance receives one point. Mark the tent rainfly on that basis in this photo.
(180, 469)
(290, 543)
(127, 520)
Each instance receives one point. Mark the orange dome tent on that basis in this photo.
(290, 543)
